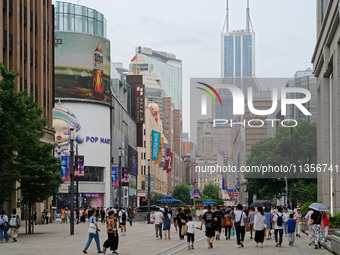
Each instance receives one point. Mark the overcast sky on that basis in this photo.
(191, 29)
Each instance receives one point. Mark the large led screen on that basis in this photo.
(82, 66)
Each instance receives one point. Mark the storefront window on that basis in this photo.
(93, 174)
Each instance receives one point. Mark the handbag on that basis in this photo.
(264, 224)
(238, 223)
(232, 232)
(182, 220)
(92, 228)
(184, 230)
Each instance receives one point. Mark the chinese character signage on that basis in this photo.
(140, 108)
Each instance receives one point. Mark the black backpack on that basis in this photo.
(124, 217)
(279, 220)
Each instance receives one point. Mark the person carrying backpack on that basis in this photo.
(14, 224)
(122, 221)
(278, 226)
(3, 226)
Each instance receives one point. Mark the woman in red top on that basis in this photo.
(326, 225)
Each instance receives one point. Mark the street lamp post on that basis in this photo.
(72, 180)
(149, 192)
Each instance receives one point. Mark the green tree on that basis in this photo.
(156, 197)
(182, 192)
(33, 164)
(276, 151)
(211, 190)
(304, 191)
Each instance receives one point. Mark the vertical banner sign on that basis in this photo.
(126, 177)
(167, 159)
(65, 169)
(165, 146)
(79, 171)
(159, 160)
(156, 139)
(115, 177)
(170, 162)
(223, 183)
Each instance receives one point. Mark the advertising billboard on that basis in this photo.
(82, 66)
(133, 160)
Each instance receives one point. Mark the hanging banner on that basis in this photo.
(156, 139)
(65, 169)
(167, 159)
(79, 170)
(165, 146)
(159, 160)
(195, 194)
(126, 177)
(115, 176)
(133, 160)
(170, 162)
(223, 183)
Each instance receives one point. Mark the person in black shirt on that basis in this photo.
(187, 211)
(218, 215)
(208, 220)
(317, 235)
(181, 217)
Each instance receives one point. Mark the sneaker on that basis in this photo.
(165, 238)
(188, 247)
(124, 234)
(169, 238)
(99, 252)
(261, 245)
(192, 247)
(239, 246)
(257, 245)
(104, 250)
(14, 240)
(85, 251)
(290, 243)
(242, 244)
(211, 245)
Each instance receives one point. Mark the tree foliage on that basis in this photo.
(182, 192)
(211, 190)
(23, 157)
(276, 151)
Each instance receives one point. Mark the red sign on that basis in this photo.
(167, 159)
(230, 194)
(236, 194)
(170, 162)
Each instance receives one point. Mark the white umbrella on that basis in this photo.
(319, 207)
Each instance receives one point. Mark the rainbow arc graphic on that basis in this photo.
(204, 100)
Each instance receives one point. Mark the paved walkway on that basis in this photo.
(54, 239)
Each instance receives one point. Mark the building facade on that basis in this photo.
(325, 61)
(27, 42)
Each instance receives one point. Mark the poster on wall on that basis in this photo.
(159, 160)
(65, 169)
(165, 146)
(79, 170)
(82, 67)
(95, 199)
(115, 176)
(133, 160)
(125, 177)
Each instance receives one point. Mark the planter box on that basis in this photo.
(335, 244)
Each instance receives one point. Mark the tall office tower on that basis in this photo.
(238, 64)
(167, 68)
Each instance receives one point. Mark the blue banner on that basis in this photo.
(156, 140)
(65, 169)
(115, 177)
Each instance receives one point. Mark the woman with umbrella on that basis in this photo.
(315, 221)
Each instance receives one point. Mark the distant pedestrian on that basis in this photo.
(112, 233)
(3, 226)
(208, 221)
(158, 223)
(278, 226)
(166, 223)
(131, 215)
(34, 217)
(43, 217)
(259, 226)
(218, 216)
(122, 221)
(63, 215)
(309, 225)
(175, 219)
(93, 220)
(14, 224)
(268, 222)
(291, 225)
(228, 223)
(191, 233)
(251, 219)
(47, 215)
(102, 215)
(240, 222)
(286, 218)
(298, 217)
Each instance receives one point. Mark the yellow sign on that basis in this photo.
(159, 160)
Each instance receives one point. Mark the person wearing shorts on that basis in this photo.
(209, 227)
(191, 232)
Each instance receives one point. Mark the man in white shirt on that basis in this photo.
(278, 219)
(204, 211)
(122, 221)
(240, 222)
(158, 222)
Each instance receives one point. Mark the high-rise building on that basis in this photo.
(325, 60)
(166, 67)
(26, 43)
